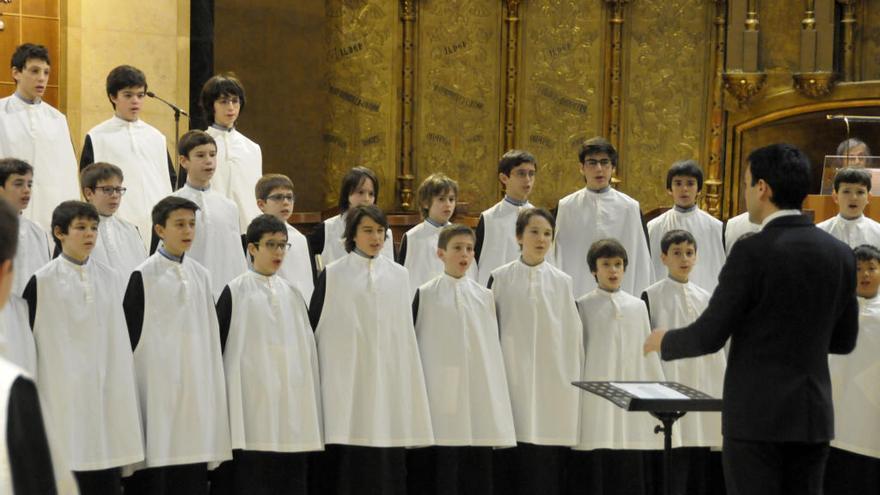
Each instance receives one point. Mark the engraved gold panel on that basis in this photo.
(561, 89)
(667, 75)
(780, 45)
(458, 94)
(870, 41)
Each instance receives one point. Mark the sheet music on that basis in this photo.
(649, 391)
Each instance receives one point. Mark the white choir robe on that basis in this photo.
(119, 245)
(38, 134)
(736, 227)
(271, 366)
(499, 245)
(217, 242)
(421, 259)
(862, 230)
(542, 345)
(85, 366)
(372, 384)
(33, 253)
(457, 333)
(139, 149)
(707, 231)
(16, 339)
(615, 327)
(334, 244)
(239, 167)
(854, 382)
(673, 304)
(179, 367)
(9, 373)
(585, 217)
(297, 267)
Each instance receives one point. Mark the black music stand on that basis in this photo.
(666, 410)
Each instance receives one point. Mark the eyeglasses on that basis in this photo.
(604, 163)
(282, 197)
(522, 174)
(109, 190)
(227, 101)
(273, 245)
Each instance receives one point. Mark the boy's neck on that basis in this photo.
(868, 296)
(685, 209)
(681, 280)
(453, 275)
(262, 272)
(76, 260)
(515, 201)
(600, 190)
(200, 185)
(221, 127)
(29, 101)
(531, 260)
(436, 223)
(171, 254)
(608, 289)
(851, 218)
(125, 119)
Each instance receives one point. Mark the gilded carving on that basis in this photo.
(814, 84)
(712, 184)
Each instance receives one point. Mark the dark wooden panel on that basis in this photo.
(44, 32)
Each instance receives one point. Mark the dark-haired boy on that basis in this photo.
(119, 244)
(851, 189)
(598, 211)
(239, 160)
(684, 181)
(35, 132)
(271, 366)
(136, 147)
(85, 368)
(16, 183)
(496, 243)
(173, 328)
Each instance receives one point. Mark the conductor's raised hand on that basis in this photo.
(652, 343)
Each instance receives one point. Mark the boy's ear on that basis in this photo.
(503, 178)
(88, 193)
(160, 230)
(835, 198)
(261, 204)
(184, 161)
(56, 233)
(663, 257)
(252, 249)
(441, 253)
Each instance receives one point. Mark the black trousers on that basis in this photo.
(770, 468)
(99, 482)
(262, 473)
(183, 479)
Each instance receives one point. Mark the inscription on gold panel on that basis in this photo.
(457, 96)
(561, 90)
(361, 97)
(668, 64)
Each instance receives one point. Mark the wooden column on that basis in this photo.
(714, 173)
(614, 58)
(406, 175)
(511, 70)
(848, 23)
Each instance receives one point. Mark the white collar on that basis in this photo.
(778, 214)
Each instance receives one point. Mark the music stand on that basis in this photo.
(666, 409)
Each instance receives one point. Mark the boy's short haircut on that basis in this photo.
(606, 248)
(169, 204)
(452, 230)
(269, 182)
(8, 231)
(685, 168)
(852, 143)
(786, 169)
(352, 180)
(264, 224)
(858, 176)
(97, 172)
(676, 236)
(65, 213)
(28, 51)
(595, 146)
(435, 185)
(217, 87)
(866, 252)
(13, 166)
(124, 76)
(353, 218)
(192, 139)
(513, 159)
(526, 214)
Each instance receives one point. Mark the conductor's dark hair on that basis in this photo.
(124, 76)
(867, 252)
(96, 172)
(786, 169)
(858, 176)
(596, 145)
(193, 139)
(219, 86)
(513, 159)
(65, 213)
(13, 166)
(434, 185)
(8, 231)
(685, 168)
(264, 224)
(849, 144)
(168, 205)
(676, 236)
(353, 219)
(522, 220)
(606, 248)
(269, 182)
(28, 51)
(452, 230)
(352, 181)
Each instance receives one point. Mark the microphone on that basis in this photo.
(854, 118)
(177, 109)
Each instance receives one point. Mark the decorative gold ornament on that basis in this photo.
(814, 84)
(744, 85)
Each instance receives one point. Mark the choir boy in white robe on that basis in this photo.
(16, 183)
(854, 460)
(496, 231)
(217, 243)
(85, 367)
(16, 341)
(735, 228)
(372, 385)
(239, 160)
(418, 247)
(119, 244)
(136, 147)
(597, 212)
(612, 444)
(173, 328)
(542, 345)
(35, 132)
(457, 330)
(275, 197)
(851, 189)
(684, 181)
(271, 366)
(360, 187)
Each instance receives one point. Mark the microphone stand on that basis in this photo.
(177, 113)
